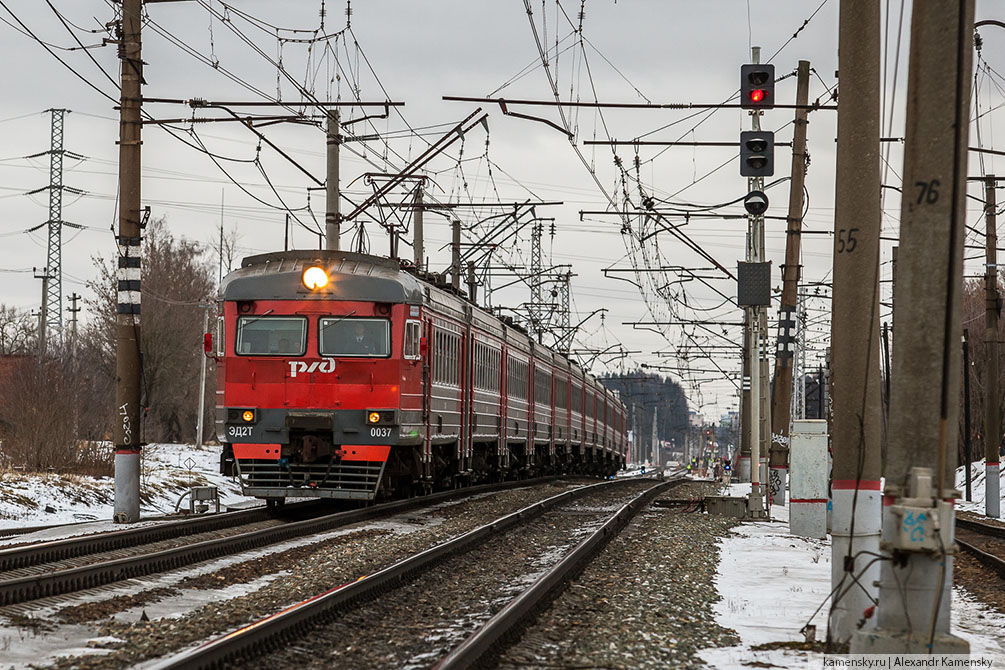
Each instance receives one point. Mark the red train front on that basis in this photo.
(342, 376)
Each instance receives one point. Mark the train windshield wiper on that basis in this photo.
(338, 320)
(256, 319)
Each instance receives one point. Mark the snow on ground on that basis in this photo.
(976, 504)
(168, 470)
(772, 583)
(22, 648)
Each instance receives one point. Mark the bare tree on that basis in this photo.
(973, 310)
(18, 331)
(45, 421)
(177, 279)
(229, 251)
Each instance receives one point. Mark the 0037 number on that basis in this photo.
(380, 432)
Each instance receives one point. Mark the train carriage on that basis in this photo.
(342, 375)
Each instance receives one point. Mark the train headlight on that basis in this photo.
(315, 277)
(373, 417)
(248, 416)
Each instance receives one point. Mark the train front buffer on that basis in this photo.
(312, 453)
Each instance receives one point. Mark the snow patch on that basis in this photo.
(167, 471)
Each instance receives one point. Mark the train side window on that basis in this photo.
(516, 383)
(486, 367)
(446, 350)
(561, 399)
(542, 387)
(412, 336)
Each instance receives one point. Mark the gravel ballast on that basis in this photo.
(417, 624)
(645, 602)
(336, 562)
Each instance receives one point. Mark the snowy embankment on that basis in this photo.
(168, 470)
(772, 584)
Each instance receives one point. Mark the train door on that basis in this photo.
(503, 449)
(466, 398)
(426, 351)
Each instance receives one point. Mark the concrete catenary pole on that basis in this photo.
(126, 433)
(455, 254)
(333, 138)
(855, 350)
(73, 310)
(785, 355)
(472, 283)
(654, 444)
(966, 413)
(43, 322)
(992, 398)
(417, 223)
(916, 582)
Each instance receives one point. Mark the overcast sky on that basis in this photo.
(417, 52)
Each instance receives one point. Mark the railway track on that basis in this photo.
(984, 542)
(430, 577)
(54, 568)
(26, 555)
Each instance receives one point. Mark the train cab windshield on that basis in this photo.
(355, 337)
(271, 336)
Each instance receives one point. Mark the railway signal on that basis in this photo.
(757, 153)
(756, 203)
(757, 86)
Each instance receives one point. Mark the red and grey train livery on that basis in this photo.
(343, 375)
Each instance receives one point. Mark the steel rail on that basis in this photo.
(269, 633)
(27, 555)
(477, 649)
(987, 529)
(31, 587)
(986, 559)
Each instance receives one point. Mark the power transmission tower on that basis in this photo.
(536, 268)
(798, 409)
(564, 313)
(52, 302)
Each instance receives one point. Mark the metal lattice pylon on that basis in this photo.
(53, 262)
(536, 268)
(798, 409)
(564, 314)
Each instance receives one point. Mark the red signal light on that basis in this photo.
(757, 95)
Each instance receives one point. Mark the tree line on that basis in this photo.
(642, 392)
(57, 405)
